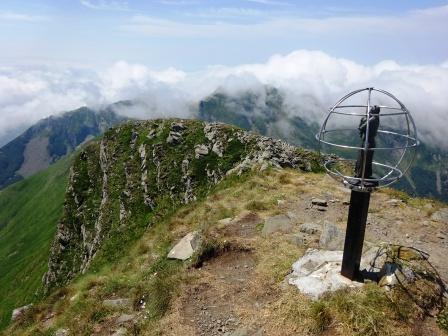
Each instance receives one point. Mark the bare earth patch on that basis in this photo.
(36, 157)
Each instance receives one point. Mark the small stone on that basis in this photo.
(319, 201)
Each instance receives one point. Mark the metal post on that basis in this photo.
(354, 236)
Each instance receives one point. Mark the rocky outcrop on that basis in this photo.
(140, 171)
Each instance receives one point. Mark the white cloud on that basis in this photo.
(311, 80)
(105, 5)
(269, 2)
(431, 21)
(13, 16)
(178, 2)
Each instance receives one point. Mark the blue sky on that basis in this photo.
(193, 34)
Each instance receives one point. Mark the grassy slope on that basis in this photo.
(29, 211)
(146, 272)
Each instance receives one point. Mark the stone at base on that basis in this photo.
(318, 272)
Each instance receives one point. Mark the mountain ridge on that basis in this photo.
(50, 139)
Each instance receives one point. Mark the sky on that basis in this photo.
(59, 55)
(192, 34)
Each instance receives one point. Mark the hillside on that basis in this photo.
(234, 285)
(49, 140)
(29, 211)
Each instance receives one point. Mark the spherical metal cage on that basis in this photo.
(387, 133)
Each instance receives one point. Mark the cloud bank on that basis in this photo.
(312, 81)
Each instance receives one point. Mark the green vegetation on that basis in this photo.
(29, 212)
(143, 274)
(442, 319)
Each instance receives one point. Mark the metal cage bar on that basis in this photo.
(407, 141)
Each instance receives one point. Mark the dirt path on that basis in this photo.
(215, 305)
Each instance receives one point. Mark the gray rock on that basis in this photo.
(332, 238)
(200, 150)
(118, 303)
(125, 318)
(16, 313)
(310, 228)
(318, 272)
(177, 127)
(174, 137)
(441, 216)
(279, 223)
(218, 148)
(61, 332)
(319, 201)
(185, 248)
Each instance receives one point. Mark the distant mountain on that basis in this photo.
(263, 113)
(50, 139)
(267, 114)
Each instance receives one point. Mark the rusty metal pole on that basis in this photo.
(354, 236)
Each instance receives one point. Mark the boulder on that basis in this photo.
(185, 248)
(332, 238)
(279, 223)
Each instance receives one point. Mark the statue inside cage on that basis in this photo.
(368, 130)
